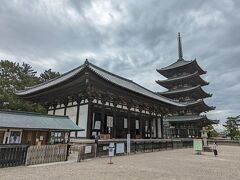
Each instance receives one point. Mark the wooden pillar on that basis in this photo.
(156, 124)
(102, 119)
(89, 120)
(143, 126)
(65, 103)
(54, 109)
(161, 124)
(150, 124)
(140, 125)
(114, 122)
(77, 118)
(129, 122)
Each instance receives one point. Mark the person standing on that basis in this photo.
(214, 148)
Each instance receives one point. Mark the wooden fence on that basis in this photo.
(12, 155)
(46, 154)
(91, 150)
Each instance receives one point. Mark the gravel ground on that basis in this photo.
(173, 164)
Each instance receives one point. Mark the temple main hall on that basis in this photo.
(110, 106)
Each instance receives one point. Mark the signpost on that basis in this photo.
(128, 143)
(111, 149)
(197, 145)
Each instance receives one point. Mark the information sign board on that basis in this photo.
(197, 145)
(119, 148)
(109, 121)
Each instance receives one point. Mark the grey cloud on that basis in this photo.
(130, 38)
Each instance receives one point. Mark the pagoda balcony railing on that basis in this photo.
(178, 88)
(178, 75)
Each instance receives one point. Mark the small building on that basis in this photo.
(34, 128)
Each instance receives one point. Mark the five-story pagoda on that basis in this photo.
(184, 84)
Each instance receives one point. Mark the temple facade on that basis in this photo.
(103, 104)
(184, 85)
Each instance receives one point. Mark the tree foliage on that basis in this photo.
(211, 132)
(14, 76)
(48, 74)
(232, 127)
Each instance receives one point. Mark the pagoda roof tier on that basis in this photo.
(100, 80)
(181, 66)
(195, 92)
(199, 106)
(193, 79)
(190, 118)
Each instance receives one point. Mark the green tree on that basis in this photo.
(48, 74)
(14, 76)
(211, 132)
(232, 127)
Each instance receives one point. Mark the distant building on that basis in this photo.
(184, 84)
(34, 129)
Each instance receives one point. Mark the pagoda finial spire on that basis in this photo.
(180, 53)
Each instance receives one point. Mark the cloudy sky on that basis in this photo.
(130, 38)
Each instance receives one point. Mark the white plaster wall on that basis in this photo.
(50, 112)
(74, 103)
(82, 122)
(59, 112)
(71, 112)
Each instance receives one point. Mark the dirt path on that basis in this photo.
(173, 164)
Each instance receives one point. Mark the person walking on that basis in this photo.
(214, 148)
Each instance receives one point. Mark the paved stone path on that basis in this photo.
(181, 164)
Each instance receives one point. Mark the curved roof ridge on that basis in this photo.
(176, 65)
(53, 81)
(118, 76)
(179, 77)
(181, 90)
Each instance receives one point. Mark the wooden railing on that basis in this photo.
(12, 155)
(46, 154)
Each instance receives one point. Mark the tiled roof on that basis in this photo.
(51, 82)
(130, 85)
(26, 120)
(186, 118)
(182, 63)
(176, 64)
(115, 79)
(182, 90)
